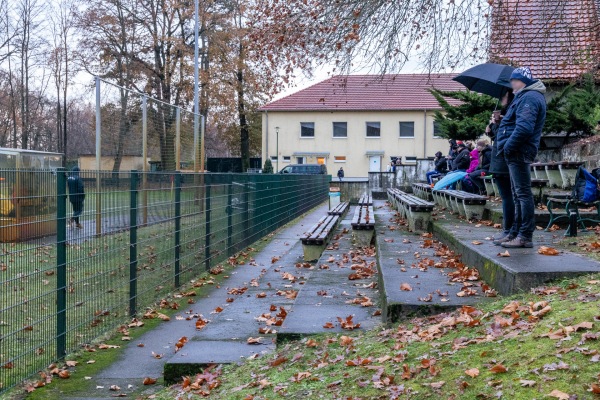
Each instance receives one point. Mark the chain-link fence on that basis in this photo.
(135, 237)
(134, 131)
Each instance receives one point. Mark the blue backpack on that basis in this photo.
(586, 187)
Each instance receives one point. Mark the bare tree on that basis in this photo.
(63, 25)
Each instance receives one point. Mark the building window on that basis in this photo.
(321, 160)
(340, 129)
(273, 158)
(287, 158)
(307, 129)
(374, 129)
(410, 159)
(407, 129)
(339, 159)
(437, 132)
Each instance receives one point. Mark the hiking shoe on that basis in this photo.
(517, 242)
(503, 239)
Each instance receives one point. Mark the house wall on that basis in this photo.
(356, 145)
(127, 163)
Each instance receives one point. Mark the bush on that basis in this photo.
(268, 167)
(466, 121)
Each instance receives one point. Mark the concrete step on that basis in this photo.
(524, 269)
(325, 295)
(432, 292)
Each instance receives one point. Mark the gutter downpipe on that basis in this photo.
(425, 133)
(267, 136)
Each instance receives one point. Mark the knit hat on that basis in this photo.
(461, 144)
(482, 143)
(523, 74)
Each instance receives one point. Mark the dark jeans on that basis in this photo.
(477, 181)
(520, 179)
(508, 204)
(77, 210)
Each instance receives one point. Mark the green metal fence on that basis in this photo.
(141, 236)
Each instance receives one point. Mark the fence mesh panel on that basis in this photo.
(141, 235)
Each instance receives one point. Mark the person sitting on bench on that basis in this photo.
(440, 167)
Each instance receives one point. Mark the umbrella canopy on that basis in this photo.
(491, 79)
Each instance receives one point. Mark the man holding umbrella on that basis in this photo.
(518, 138)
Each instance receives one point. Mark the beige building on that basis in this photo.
(358, 122)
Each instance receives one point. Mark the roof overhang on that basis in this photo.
(374, 153)
(310, 154)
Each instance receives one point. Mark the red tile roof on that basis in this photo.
(369, 93)
(557, 39)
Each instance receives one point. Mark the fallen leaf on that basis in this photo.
(261, 295)
(498, 369)
(476, 242)
(328, 325)
(559, 395)
(505, 254)
(114, 388)
(406, 287)
(548, 251)
(149, 381)
(278, 361)
(473, 372)
(64, 374)
(252, 340)
(527, 383)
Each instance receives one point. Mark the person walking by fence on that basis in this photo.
(76, 196)
(340, 174)
(518, 141)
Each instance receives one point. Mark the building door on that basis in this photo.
(375, 164)
(299, 160)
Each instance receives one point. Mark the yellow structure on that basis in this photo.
(358, 122)
(88, 162)
(27, 194)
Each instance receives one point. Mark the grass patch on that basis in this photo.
(506, 350)
(587, 244)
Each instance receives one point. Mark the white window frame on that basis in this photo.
(335, 159)
(314, 130)
(287, 159)
(367, 128)
(333, 130)
(400, 130)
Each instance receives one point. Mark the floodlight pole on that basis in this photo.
(276, 149)
(196, 87)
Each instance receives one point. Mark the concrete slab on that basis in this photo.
(197, 355)
(306, 319)
(524, 269)
(400, 244)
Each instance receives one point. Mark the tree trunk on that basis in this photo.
(244, 131)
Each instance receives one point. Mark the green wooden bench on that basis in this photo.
(316, 238)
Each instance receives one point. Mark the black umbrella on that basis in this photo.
(491, 79)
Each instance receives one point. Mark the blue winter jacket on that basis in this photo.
(521, 128)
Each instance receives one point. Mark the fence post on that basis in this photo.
(98, 160)
(178, 139)
(207, 220)
(177, 227)
(61, 263)
(230, 217)
(145, 157)
(133, 224)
